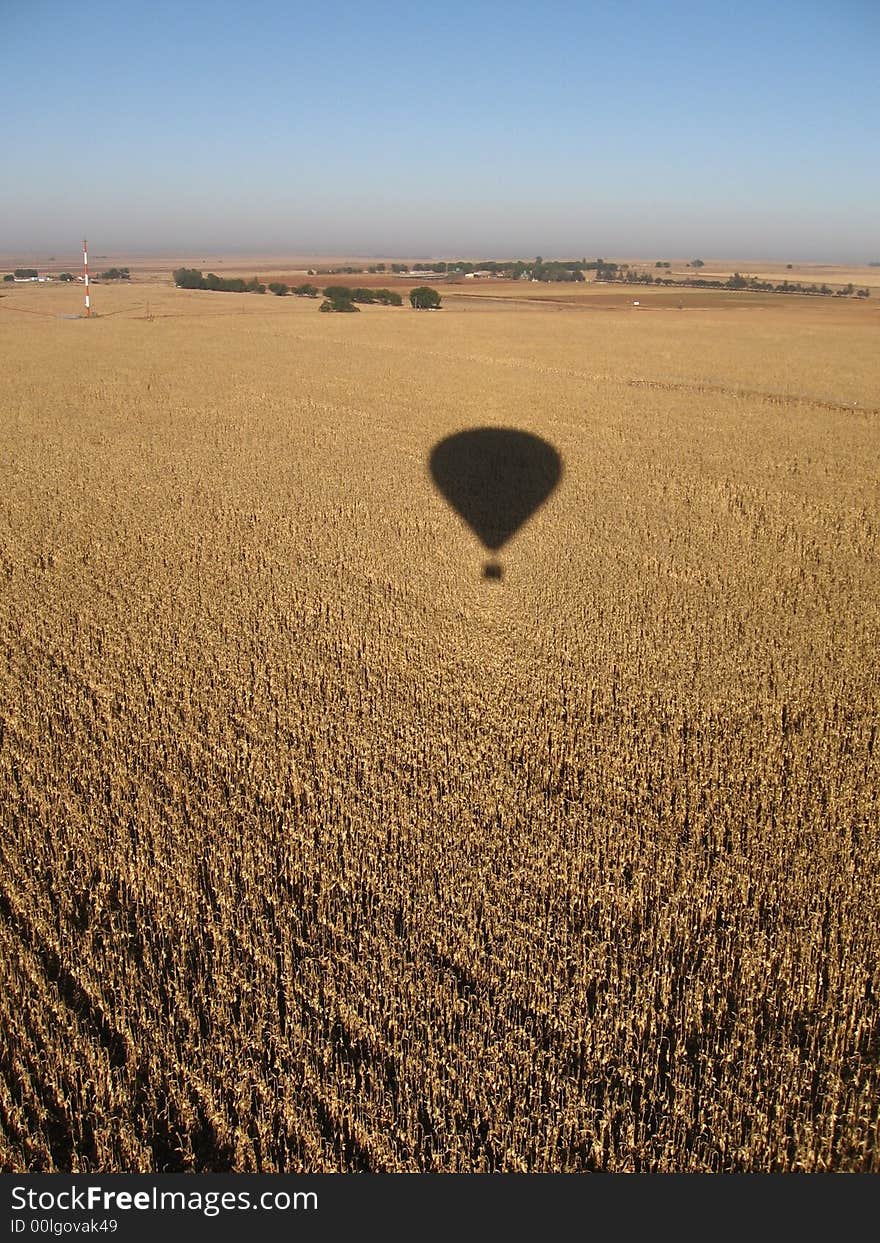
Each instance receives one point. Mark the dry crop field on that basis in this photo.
(320, 852)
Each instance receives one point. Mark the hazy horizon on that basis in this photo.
(72, 254)
(481, 130)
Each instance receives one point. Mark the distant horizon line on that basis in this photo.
(223, 254)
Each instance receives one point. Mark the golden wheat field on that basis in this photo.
(321, 852)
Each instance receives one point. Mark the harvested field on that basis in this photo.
(320, 852)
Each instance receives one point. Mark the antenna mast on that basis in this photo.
(86, 278)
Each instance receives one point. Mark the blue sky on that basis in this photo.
(724, 130)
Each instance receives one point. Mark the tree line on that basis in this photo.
(191, 278)
(300, 291)
(611, 273)
(342, 298)
(336, 297)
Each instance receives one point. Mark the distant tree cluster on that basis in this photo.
(399, 269)
(343, 298)
(338, 298)
(520, 269)
(611, 272)
(424, 298)
(191, 278)
(540, 269)
(115, 274)
(25, 274)
(188, 278)
(633, 277)
(537, 269)
(299, 291)
(554, 272)
(385, 297)
(67, 277)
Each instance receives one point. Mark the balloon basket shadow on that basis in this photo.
(492, 569)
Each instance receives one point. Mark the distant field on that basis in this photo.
(293, 268)
(320, 852)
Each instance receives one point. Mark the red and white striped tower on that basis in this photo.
(86, 277)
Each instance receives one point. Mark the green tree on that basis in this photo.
(424, 298)
(189, 278)
(339, 298)
(278, 288)
(338, 304)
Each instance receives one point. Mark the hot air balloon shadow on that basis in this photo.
(495, 478)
